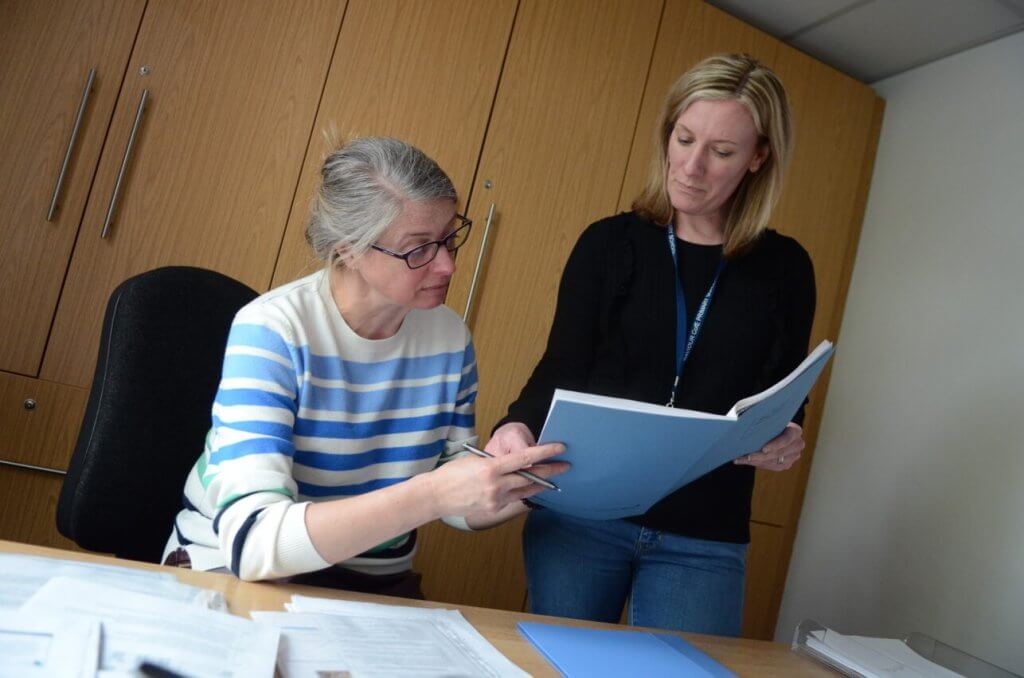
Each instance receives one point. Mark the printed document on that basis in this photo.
(322, 635)
(173, 635)
(48, 646)
(21, 576)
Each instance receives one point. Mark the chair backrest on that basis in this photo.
(148, 413)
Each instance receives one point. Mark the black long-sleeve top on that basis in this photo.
(614, 334)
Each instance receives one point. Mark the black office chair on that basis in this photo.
(148, 413)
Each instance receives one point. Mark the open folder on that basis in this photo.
(595, 653)
(626, 455)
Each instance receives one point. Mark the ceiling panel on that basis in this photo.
(874, 39)
(782, 18)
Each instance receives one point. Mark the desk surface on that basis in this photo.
(745, 657)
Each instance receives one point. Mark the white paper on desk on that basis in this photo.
(396, 640)
(48, 645)
(21, 576)
(173, 635)
(875, 657)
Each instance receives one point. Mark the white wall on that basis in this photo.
(914, 515)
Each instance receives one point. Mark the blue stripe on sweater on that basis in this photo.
(257, 367)
(254, 397)
(319, 491)
(463, 420)
(313, 428)
(252, 446)
(362, 402)
(239, 542)
(326, 461)
(353, 372)
(258, 336)
(263, 428)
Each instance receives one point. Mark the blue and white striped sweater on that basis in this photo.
(308, 411)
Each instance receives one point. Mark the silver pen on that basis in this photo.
(532, 477)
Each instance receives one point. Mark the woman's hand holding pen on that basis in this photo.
(779, 453)
(484, 488)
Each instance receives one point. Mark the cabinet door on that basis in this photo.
(233, 91)
(424, 72)
(554, 158)
(836, 121)
(29, 507)
(47, 50)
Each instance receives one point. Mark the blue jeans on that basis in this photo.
(586, 569)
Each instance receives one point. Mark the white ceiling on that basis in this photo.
(874, 39)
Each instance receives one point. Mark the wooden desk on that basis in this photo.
(745, 657)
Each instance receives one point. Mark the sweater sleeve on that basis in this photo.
(248, 475)
(572, 342)
(463, 427)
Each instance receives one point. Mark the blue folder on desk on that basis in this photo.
(595, 653)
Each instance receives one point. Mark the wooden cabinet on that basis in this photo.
(552, 162)
(424, 72)
(233, 92)
(542, 112)
(47, 52)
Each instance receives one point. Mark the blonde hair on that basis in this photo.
(737, 77)
(364, 185)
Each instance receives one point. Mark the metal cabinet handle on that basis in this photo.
(57, 471)
(124, 164)
(71, 145)
(479, 261)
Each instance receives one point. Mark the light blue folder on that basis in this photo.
(596, 653)
(627, 455)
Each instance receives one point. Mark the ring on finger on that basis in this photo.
(781, 460)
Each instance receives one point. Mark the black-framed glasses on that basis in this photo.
(421, 255)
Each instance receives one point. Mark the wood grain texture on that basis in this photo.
(234, 91)
(44, 436)
(744, 657)
(424, 72)
(46, 51)
(28, 512)
(822, 208)
(555, 151)
(763, 566)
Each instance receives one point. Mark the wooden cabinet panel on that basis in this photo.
(28, 509)
(555, 153)
(760, 601)
(234, 90)
(44, 433)
(837, 122)
(424, 72)
(46, 52)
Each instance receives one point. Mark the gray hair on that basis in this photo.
(365, 184)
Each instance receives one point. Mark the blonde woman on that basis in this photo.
(695, 246)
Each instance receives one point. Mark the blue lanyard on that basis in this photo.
(683, 350)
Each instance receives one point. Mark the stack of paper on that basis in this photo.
(331, 637)
(21, 576)
(873, 657)
(141, 628)
(48, 645)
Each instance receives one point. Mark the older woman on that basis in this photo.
(344, 393)
(687, 300)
